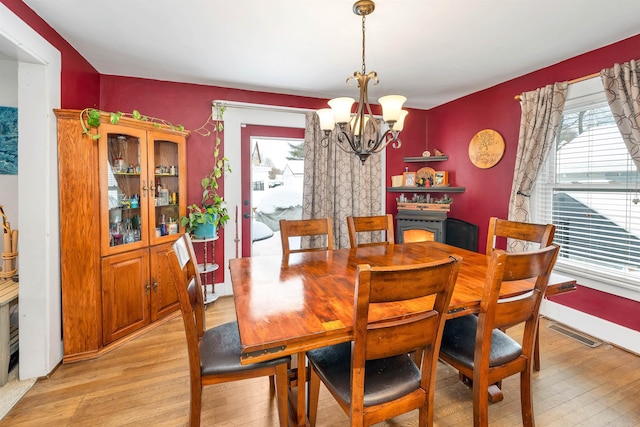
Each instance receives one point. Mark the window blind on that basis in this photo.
(589, 189)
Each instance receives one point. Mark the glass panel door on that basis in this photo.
(164, 170)
(122, 161)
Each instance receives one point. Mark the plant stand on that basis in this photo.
(207, 269)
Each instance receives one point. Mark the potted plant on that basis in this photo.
(203, 220)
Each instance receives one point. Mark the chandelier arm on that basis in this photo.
(324, 142)
(341, 138)
(389, 137)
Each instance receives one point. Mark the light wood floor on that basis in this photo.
(145, 383)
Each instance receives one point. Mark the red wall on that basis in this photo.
(80, 83)
(453, 125)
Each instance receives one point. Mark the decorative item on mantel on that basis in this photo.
(436, 153)
(424, 203)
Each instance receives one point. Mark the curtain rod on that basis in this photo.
(251, 106)
(579, 79)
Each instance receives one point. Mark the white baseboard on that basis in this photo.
(604, 330)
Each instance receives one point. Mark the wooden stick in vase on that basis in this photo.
(14, 241)
(6, 263)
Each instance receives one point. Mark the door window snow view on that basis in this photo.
(277, 169)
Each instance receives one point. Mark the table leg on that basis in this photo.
(5, 349)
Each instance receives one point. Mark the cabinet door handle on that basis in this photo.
(147, 288)
(155, 285)
(144, 187)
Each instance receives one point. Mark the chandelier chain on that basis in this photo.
(364, 67)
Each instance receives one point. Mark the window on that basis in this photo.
(589, 189)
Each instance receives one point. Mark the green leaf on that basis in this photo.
(93, 118)
(180, 127)
(136, 114)
(114, 118)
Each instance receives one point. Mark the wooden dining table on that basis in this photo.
(289, 305)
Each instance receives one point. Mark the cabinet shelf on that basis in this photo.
(210, 239)
(126, 173)
(425, 189)
(208, 268)
(425, 159)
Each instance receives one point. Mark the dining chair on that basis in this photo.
(477, 346)
(214, 354)
(374, 378)
(541, 234)
(321, 228)
(364, 224)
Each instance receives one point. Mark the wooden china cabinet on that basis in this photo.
(121, 196)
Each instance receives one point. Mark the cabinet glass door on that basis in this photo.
(122, 159)
(164, 170)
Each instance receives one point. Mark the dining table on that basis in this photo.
(288, 305)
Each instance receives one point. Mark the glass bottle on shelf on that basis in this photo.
(164, 159)
(123, 189)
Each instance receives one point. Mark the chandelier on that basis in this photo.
(351, 126)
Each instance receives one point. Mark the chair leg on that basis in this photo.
(272, 384)
(526, 402)
(313, 396)
(282, 393)
(195, 405)
(536, 349)
(480, 403)
(424, 419)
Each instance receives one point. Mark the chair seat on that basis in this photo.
(385, 379)
(220, 352)
(459, 342)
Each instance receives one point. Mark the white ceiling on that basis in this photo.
(431, 51)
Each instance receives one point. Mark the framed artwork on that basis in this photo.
(409, 179)
(8, 141)
(441, 178)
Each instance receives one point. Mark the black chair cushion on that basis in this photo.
(220, 352)
(459, 341)
(385, 379)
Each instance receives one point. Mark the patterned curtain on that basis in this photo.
(623, 93)
(336, 184)
(539, 122)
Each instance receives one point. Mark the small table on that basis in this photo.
(8, 296)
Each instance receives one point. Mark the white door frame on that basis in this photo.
(39, 68)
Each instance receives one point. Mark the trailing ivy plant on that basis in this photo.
(212, 203)
(90, 119)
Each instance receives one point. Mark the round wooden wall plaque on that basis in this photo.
(486, 148)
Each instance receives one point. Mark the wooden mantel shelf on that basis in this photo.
(425, 159)
(425, 189)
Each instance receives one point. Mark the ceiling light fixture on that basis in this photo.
(351, 126)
